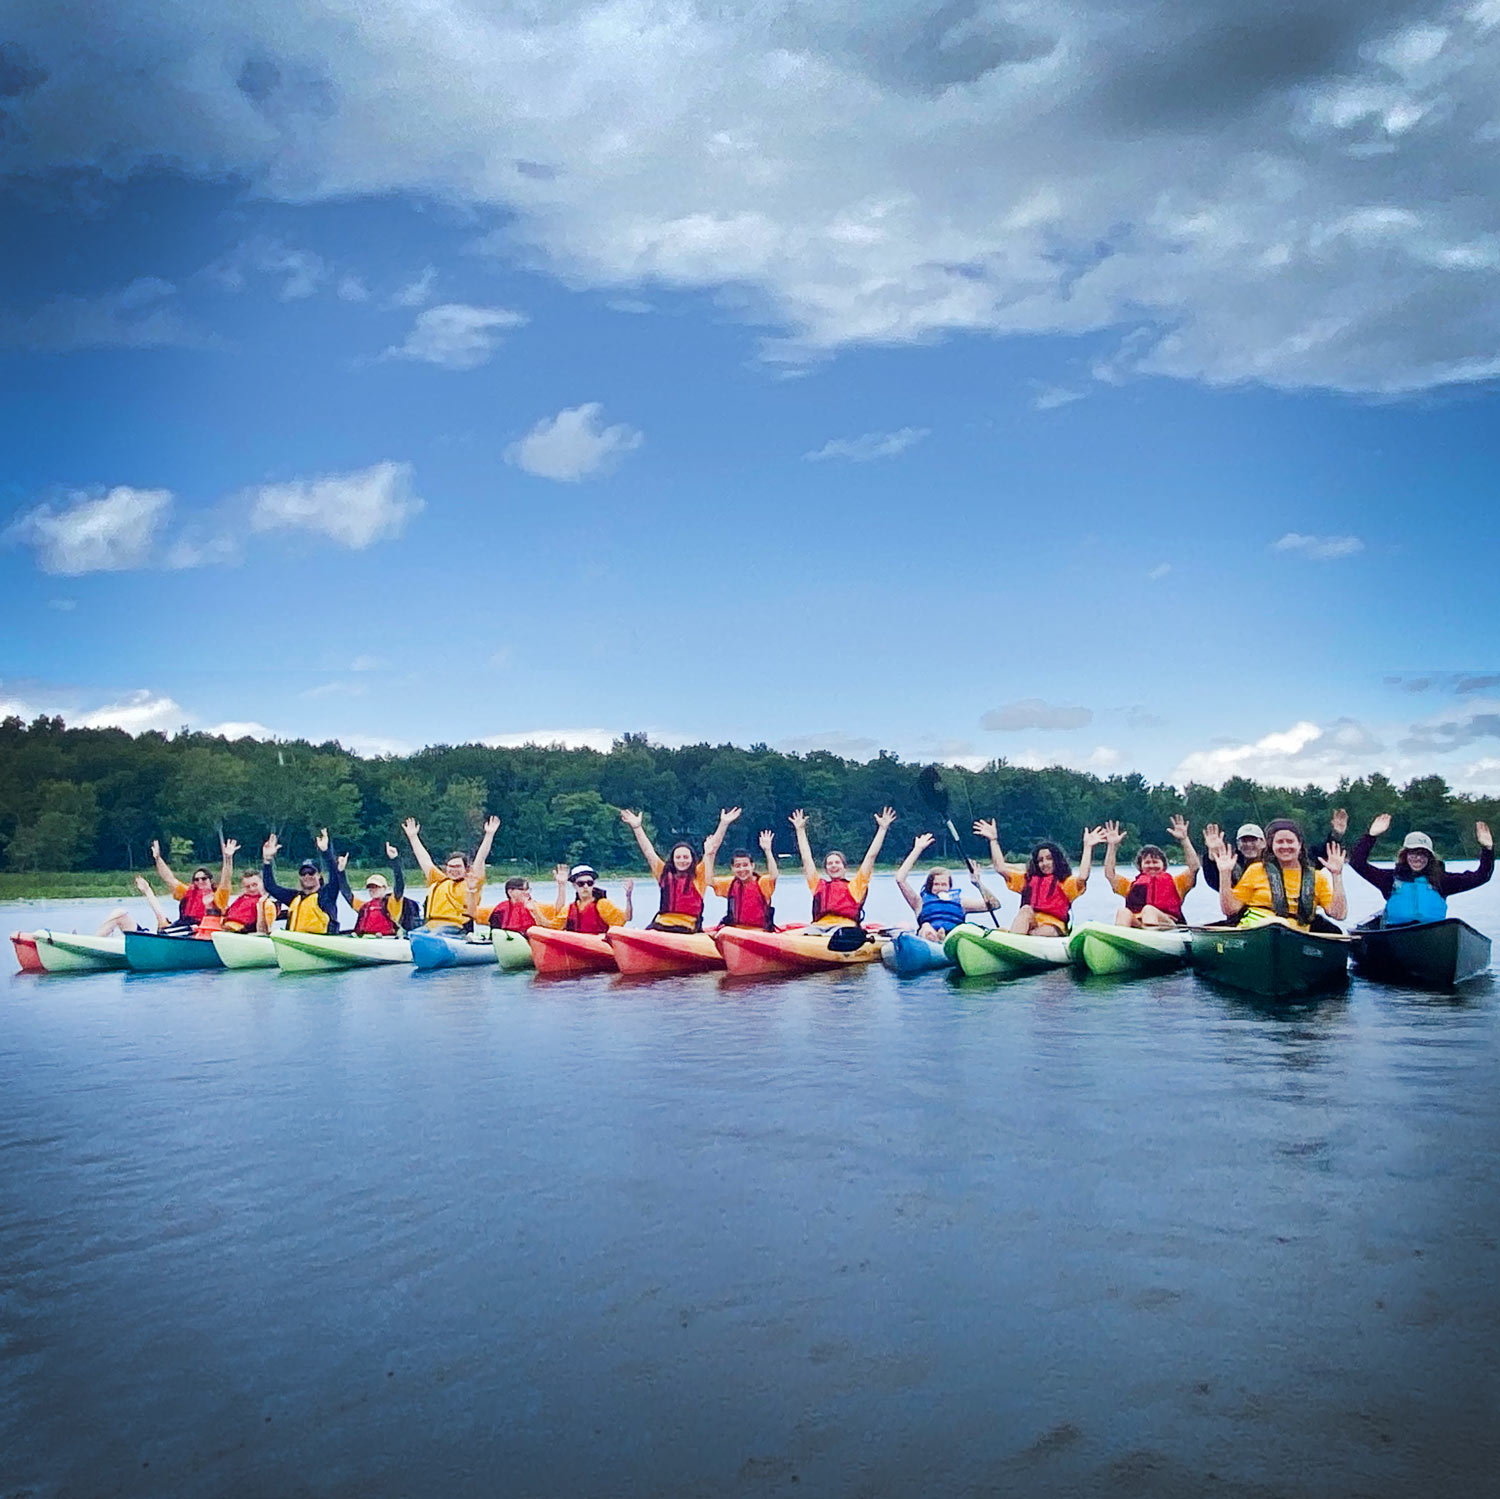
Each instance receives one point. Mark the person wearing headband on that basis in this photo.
(1283, 883)
(1417, 887)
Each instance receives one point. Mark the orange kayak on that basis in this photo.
(647, 954)
(26, 955)
(752, 953)
(560, 954)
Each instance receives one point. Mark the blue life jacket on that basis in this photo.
(941, 912)
(1414, 900)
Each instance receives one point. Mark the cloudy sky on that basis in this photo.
(1109, 385)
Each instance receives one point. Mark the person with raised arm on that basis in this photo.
(384, 910)
(838, 897)
(1154, 897)
(591, 909)
(1416, 888)
(940, 906)
(747, 895)
(1046, 883)
(1249, 845)
(252, 910)
(448, 904)
(1282, 882)
(680, 876)
(196, 900)
(314, 905)
(518, 911)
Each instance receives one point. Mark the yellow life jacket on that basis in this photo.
(304, 914)
(446, 901)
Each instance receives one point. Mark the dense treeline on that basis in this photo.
(95, 798)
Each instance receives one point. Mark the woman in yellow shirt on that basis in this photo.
(1282, 883)
(448, 888)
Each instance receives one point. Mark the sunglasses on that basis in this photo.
(203, 879)
(583, 884)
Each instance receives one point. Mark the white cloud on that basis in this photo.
(368, 663)
(870, 446)
(1033, 713)
(1051, 397)
(300, 272)
(355, 509)
(455, 336)
(573, 445)
(239, 729)
(373, 746)
(352, 289)
(106, 533)
(595, 739)
(1305, 752)
(137, 713)
(1318, 548)
(416, 293)
(142, 315)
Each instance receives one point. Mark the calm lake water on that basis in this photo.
(469, 1233)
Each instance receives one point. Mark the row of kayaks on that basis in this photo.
(1268, 958)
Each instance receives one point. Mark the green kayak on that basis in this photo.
(513, 952)
(75, 952)
(1126, 951)
(244, 949)
(1271, 958)
(328, 952)
(982, 952)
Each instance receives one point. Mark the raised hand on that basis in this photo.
(156, 848)
(767, 841)
(560, 873)
(632, 820)
(1114, 834)
(228, 847)
(1223, 856)
(1482, 833)
(411, 827)
(798, 820)
(629, 888)
(922, 842)
(1213, 839)
(322, 840)
(986, 828)
(142, 885)
(1092, 836)
(342, 861)
(492, 825)
(1333, 858)
(270, 848)
(885, 817)
(1339, 822)
(1380, 825)
(1178, 829)
(728, 815)
(392, 852)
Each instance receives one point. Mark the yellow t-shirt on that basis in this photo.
(767, 884)
(447, 899)
(674, 920)
(1184, 879)
(1254, 890)
(1072, 887)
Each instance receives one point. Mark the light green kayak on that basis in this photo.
(244, 949)
(513, 951)
(982, 952)
(78, 952)
(320, 952)
(1126, 951)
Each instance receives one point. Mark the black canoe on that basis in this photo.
(1270, 958)
(1429, 954)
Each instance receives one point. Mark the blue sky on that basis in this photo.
(1111, 386)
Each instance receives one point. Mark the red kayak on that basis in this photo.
(752, 953)
(560, 954)
(648, 954)
(25, 946)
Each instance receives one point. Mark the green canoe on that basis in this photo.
(75, 952)
(244, 949)
(982, 952)
(1271, 958)
(1126, 951)
(152, 952)
(325, 952)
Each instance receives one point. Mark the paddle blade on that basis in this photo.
(932, 791)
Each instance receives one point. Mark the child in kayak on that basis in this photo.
(838, 897)
(939, 907)
(747, 895)
(384, 910)
(447, 908)
(1417, 887)
(518, 912)
(1283, 882)
(1154, 897)
(1047, 885)
(591, 910)
(252, 910)
(680, 876)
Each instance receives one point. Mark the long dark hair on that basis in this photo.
(671, 868)
(1433, 873)
(1061, 869)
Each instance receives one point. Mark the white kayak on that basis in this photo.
(982, 952)
(244, 949)
(1128, 951)
(79, 952)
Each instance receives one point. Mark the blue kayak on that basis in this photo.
(908, 953)
(437, 950)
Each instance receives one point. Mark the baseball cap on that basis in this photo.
(377, 882)
(1417, 840)
(1250, 830)
(307, 867)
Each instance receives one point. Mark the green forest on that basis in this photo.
(93, 799)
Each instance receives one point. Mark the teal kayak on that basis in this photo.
(154, 952)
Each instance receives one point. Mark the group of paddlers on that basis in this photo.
(1268, 871)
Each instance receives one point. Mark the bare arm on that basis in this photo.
(228, 848)
(768, 848)
(798, 820)
(629, 901)
(482, 854)
(1224, 859)
(715, 840)
(923, 842)
(144, 886)
(883, 820)
(985, 828)
(411, 827)
(1179, 830)
(1333, 862)
(1113, 836)
(635, 823)
(1091, 836)
(163, 869)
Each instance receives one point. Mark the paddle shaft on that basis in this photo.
(973, 874)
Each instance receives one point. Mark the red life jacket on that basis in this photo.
(193, 906)
(680, 896)
(1045, 895)
(512, 916)
(587, 919)
(374, 919)
(835, 898)
(243, 914)
(748, 905)
(1160, 890)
